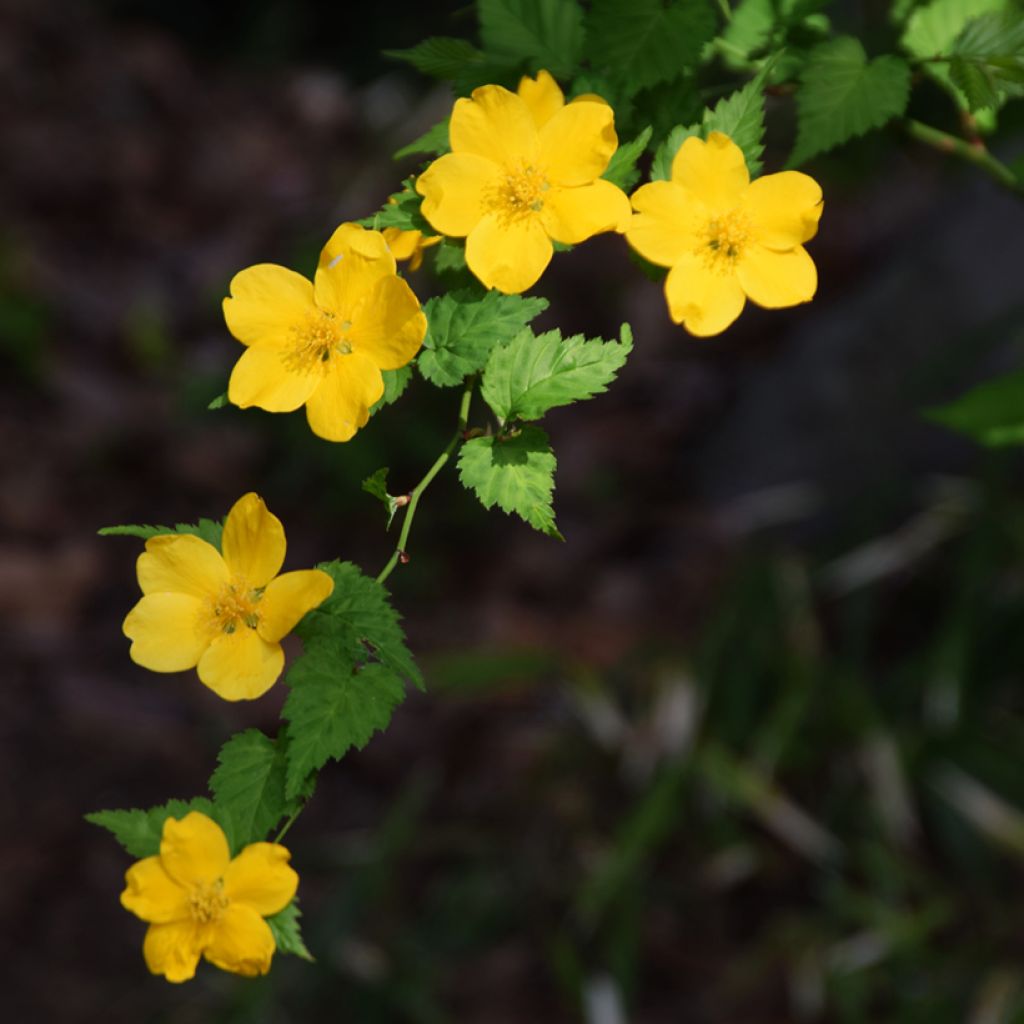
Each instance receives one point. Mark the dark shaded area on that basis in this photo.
(745, 748)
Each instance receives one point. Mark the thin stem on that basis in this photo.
(291, 821)
(417, 491)
(973, 152)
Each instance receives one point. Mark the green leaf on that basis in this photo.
(992, 413)
(464, 326)
(622, 169)
(140, 831)
(988, 59)
(438, 56)
(749, 31)
(434, 141)
(542, 33)
(741, 117)
(516, 473)
(842, 95)
(220, 401)
(402, 210)
(248, 787)
(534, 373)
(661, 165)
(330, 710)
(377, 485)
(205, 529)
(449, 257)
(395, 383)
(284, 926)
(645, 42)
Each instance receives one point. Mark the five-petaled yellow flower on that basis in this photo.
(200, 902)
(524, 169)
(323, 344)
(726, 238)
(223, 614)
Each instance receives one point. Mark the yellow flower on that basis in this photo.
(323, 344)
(199, 902)
(409, 245)
(726, 238)
(525, 169)
(225, 614)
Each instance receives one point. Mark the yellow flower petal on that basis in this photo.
(241, 942)
(288, 598)
(542, 96)
(785, 208)
(777, 279)
(193, 850)
(577, 143)
(389, 329)
(182, 564)
(354, 238)
(344, 281)
(241, 665)
(169, 632)
(263, 378)
(341, 404)
(402, 244)
(572, 215)
(508, 256)
(253, 542)
(667, 223)
(261, 878)
(495, 124)
(265, 301)
(173, 949)
(151, 893)
(703, 301)
(714, 171)
(454, 188)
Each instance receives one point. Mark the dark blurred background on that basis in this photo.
(746, 748)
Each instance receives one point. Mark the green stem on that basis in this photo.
(974, 153)
(283, 831)
(417, 491)
(726, 9)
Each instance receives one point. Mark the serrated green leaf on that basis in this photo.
(205, 529)
(622, 169)
(284, 926)
(841, 96)
(464, 326)
(395, 383)
(741, 117)
(542, 33)
(516, 473)
(972, 78)
(992, 413)
(248, 787)
(139, 831)
(661, 165)
(749, 31)
(377, 485)
(439, 56)
(987, 62)
(330, 711)
(642, 43)
(402, 210)
(449, 257)
(434, 140)
(534, 373)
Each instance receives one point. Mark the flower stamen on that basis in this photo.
(518, 194)
(723, 240)
(207, 903)
(235, 605)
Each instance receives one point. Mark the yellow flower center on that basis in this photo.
(207, 903)
(236, 605)
(517, 194)
(723, 240)
(315, 340)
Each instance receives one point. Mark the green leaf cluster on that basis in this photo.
(987, 62)
(402, 210)
(206, 529)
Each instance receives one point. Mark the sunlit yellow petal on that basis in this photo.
(354, 238)
(542, 96)
(253, 541)
(263, 377)
(667, 223)
(402, 244)
(261, 878)
(572, 215)
(180, 563)
(577, 143)
(288, 598)
(777, 279)
(193, 850)
(454, 188)
(785, 208)
(241, 942)
(715, 171)
(345, 281)
(265, 301)
(241, 665)
(151, 893)
(495, 124)
(508, 256)
(705, 302)
(341, 404)
(173, 949)
(169, 632)
(389, 328)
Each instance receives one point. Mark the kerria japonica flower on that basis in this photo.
(223, 614)
(409, 245)
(201, 903)
(726, 238)
(525, 170)
(323, 343)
